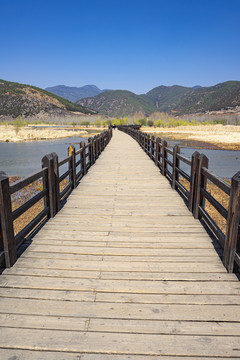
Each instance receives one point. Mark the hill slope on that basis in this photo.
(166, 98)
(118, 103)
(74, 93)
(178, 100)
(221, 96)
(20, 99)
(183, 100)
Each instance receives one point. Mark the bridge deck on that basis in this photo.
(122, 272)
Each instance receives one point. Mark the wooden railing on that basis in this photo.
(169, 160)
(77, 162)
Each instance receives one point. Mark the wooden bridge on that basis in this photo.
(123, 271)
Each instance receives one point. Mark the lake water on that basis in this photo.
(224, 163)
(25, 158)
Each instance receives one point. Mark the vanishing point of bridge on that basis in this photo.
(123, 271)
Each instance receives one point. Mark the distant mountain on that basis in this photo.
(214, 98)
(166, 98)
(20, 99)
(75, 93)
(118, 103)
(182, 100)
(178, 100)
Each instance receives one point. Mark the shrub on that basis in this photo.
(18, 124)
(149, 122)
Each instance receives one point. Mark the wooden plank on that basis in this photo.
(123, 343)
(63, 264)
(161, 238)
(6, 354)
(132, 244)
(43, 322)
(175, 312)
(145, 298)
(53, 273)
(116, 275)
(41, 294)
(122, 272)
(164, 327)
(116, 286)
(122, 258)
(70, 249)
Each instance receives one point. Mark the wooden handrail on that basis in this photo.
(53, 198)
(195, 198)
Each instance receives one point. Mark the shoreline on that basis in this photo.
(219, 137)
(8, 133)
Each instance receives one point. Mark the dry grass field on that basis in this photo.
(222, 136)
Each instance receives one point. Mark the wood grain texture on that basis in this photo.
(122, 272)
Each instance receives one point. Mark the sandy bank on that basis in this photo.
(27, 133)
(223, 136)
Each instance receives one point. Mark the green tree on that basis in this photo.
(142, 121)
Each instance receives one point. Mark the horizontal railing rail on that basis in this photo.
(53, 191)
(169, 160)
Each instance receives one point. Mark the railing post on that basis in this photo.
(82, 144)
(94, 149)
(72, 153)
(152, 147)
(175, 174)
(6, 222)
(91, 149)
(148, 145)
(101, 143)
(193, 181)
(97, 147)
(201, 183)
(139, 137)
(104, 140)
(51, 162)
(232, 239)
(157, 151)
(145, 142)
(164, 155)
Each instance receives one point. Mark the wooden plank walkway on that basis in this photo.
(122, 272)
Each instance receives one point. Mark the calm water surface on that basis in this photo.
(25, 158)
(224, 163)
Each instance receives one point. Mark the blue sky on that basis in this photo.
(133, 45)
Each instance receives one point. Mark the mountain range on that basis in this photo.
(176, 100)
(75, 93)
(20, 99)
(30, 101)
